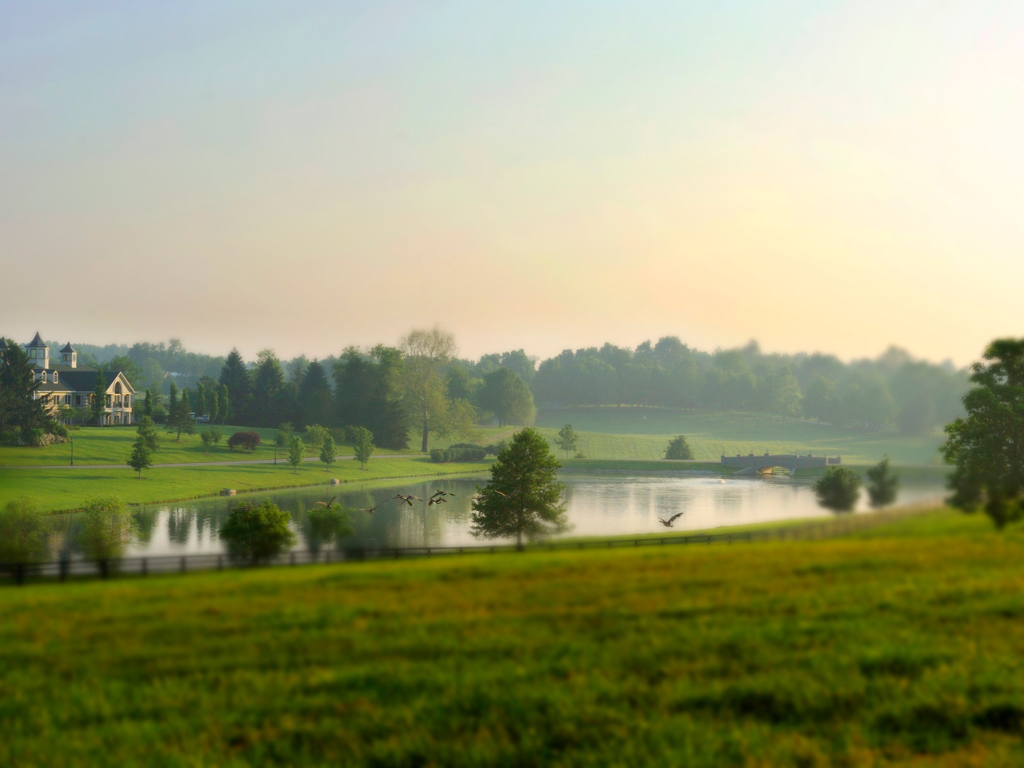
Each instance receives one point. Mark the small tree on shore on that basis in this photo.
(23, 533)
(328, 453)
(567, 439)
(524, 497)
(296, 453)
(141, 457)
(256, 533)
(883, 486)
(678, 449)
(147, 431)
(362, 445)
(107, 528)
(838, 489)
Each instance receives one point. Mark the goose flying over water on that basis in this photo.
(437, 500)
(326, 504)
(439, 492)
(668, 523)
(407, 499)
(374, 508)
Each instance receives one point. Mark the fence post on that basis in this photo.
(220, 563)
(145, 567)
(291, 558)
(103, 568)
(183, 563)
(64, 568)
(19, 573)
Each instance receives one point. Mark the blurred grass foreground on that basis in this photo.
(900, 645)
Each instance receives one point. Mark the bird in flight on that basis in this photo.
(437, 500)
(374, 508)
(407, 499)
(439, 492)
(668, 523)
(326, 504)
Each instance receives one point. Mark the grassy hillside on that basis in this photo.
(643, 433)
(112, 445)
(63, 488)
(898, 648)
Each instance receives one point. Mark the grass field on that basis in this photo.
(900, 647)
(62, 489)
(112, 445)
(643, 433)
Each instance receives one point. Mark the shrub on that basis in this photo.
(107, 528)
(315, 436)
(257, 533)
(33, 437)
(59, 430)
(459, 452)
(247, 441)
(11, 436)
(23, 532)
(437, 455)
(678, 449)
(838, 489)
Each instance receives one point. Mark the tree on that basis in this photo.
(147, 407)
(315, 396)
(141, 457)
(23, 533)
(235, 387)
(179, 416)
(883, 486)
(315, 435)
(678, 449)
(838, 489)
(329, 452)
(247, 441)
(212, 396)
(207, 437)
(296, 453)
(131, 370)
(19, 408)
(200, 399)
(524, 497)
(172, 404)
(362, 443)
(567, 439)
(147, 431)
(99, 400)
(267, 386)
(426, 355)
(506, 395)
(107, 528)
(327, 524)
(986, 446)
(257, 533)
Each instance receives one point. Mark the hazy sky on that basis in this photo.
(309, 175)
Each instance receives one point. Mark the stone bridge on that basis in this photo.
(751, 464)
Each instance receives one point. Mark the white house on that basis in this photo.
(65, 383)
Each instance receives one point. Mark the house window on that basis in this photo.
(54, 377)
(67, 399)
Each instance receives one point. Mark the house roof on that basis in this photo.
(60, 386)
(67, 348)
(36, 342)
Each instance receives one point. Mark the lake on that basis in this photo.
(598, 504)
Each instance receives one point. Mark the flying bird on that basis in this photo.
(439, 492)
(374, 508)
(437, 500)
(326, 504)
(407, 499)
(668, 523)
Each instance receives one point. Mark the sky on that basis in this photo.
(305, 176)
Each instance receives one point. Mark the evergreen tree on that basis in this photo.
(99, 399)
(267, 388)
(19, 409)
(200, 400)
(234, 378)
(147, 407)
(328, 453)
(314, 396)
(883, 486)
(147, 431)
(172, 404)
(524, 497)
(141, 457)
(222, 405)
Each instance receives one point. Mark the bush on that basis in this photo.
(34, 437)
(247, 441)
(23, 532)
(437, 455)
(459, 452)
(257, 533)
(11, 436)
(107, 528)
(678, 449)
(315, 436)
(838, 489)
(59, 430)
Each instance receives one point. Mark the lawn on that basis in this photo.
(112, 445)
(62, 489)
(898, 647)
(643, 433)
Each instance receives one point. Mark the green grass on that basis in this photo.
(643, 433)
(898, 647)
(112, 445)
(63, 489)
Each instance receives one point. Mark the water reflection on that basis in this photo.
(596, 505)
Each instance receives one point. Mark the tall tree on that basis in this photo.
(315, 397)
(147, 406)
(99, 399)
(200, 400)
(524, 497)
(362, 444)
(986, 446)
(141, 457)
(506, 395)
(223, 405)
(328, 452)
(19, 408)
(427, 352)
(212, 396)
(235, 378)
(267, 384)
(567, 439)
